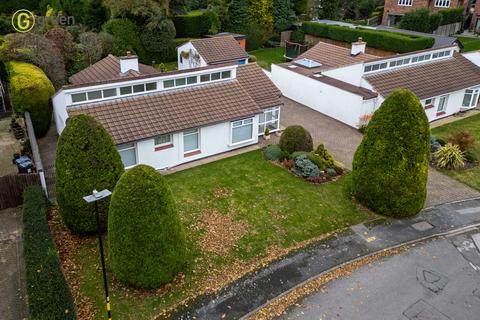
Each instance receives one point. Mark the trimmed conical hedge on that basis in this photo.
(87, 159)
(146, 239)
(30, 90)
(390, 166)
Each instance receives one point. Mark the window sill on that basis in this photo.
(160, 148)
(192, 153)
(240, 143)
(430, 106)
(441, 113)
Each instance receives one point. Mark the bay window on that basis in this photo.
(128, 153)
(242, 131)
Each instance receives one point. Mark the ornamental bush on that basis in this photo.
(464, 139)
(147, 245)
(326, 157)
(86, 160)
(306, 168)
(49, 296)
(450, 156)
(296, 138)
(390, 166)
(274, 153)
(386, 40)
(31, 90)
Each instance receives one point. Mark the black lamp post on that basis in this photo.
(95, 197)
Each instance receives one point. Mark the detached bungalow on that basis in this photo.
(166, 119)
(219, 49)
(349, 84)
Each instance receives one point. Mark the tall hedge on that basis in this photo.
(49, 295)
(193, 24)
(31, 90)
(390, 166)
(86, 160)
(146, 239)
(390, 41)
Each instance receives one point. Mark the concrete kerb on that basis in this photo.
(371, 254)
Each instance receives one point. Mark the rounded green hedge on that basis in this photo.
(193, 24)
(390, 166)
(86, 160)
(146, 239)
(296, 138)
(31, 90)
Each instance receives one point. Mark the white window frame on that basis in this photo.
(406, 3)
(134, 147)
(265, 122)
(432, 102)
(443, 3)
(442, 107)
(169, 142)
(474, 94)
(190, 132)
(238, 124)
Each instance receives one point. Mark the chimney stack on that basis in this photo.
(358, 47)
(128, 62)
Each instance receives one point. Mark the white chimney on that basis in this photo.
(358, 47)
(128, 62)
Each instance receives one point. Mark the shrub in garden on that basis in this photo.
(125, 38)
(449, 156)
(31, 90)
(86, 160)
(317, 160)
(390, 166)
(306, 168)
(274, 153)
(49, 296)
(326, 157)
(146, 238)
(296, 138)
(464, 139)
(297, 154)
(193, 24)
(288, 164)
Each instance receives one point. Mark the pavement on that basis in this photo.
(257, 289)
(8, 146)
(12, 275)
(342, 140)
(437, 280)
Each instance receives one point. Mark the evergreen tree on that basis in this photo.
(283, 14)
(330, 9)
(95, 15)
(238, 18)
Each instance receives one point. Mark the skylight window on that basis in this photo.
(307, 63)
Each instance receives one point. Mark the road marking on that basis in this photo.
(469, 210)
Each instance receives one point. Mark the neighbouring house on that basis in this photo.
(210, 51)
(349, 85)
(166, 119)
(395, 9)
(241, 38)
(475, 10)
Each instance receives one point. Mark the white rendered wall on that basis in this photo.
(186, 63)
(454, 104)
(473, 56)
(350, 74)
(214, 139)
(334, 102)
(60, 110)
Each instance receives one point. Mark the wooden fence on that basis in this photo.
(12, 186)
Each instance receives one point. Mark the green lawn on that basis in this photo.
(470, 177)
(270, 210)
(470, 44)
(266, 57)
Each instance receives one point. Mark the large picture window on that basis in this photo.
(128, 153)
(269, 119)
(191, 140)
(470, 99)
(242, 130)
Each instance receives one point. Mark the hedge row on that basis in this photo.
(194, 24)
(49, 296)
(451, 16)
(390, 41)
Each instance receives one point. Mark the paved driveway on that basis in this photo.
(342, 141)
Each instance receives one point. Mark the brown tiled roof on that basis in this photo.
(219, 49)
(259, 86)
(430, 79)
(332, 56)
(141, 117)
(314, 74)
(107, 69)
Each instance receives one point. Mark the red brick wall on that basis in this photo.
(392, 7)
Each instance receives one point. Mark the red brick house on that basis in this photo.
(476, 17)
(395, 9)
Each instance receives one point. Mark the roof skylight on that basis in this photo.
(307, 63)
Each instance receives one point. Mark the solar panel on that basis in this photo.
(307, 63)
